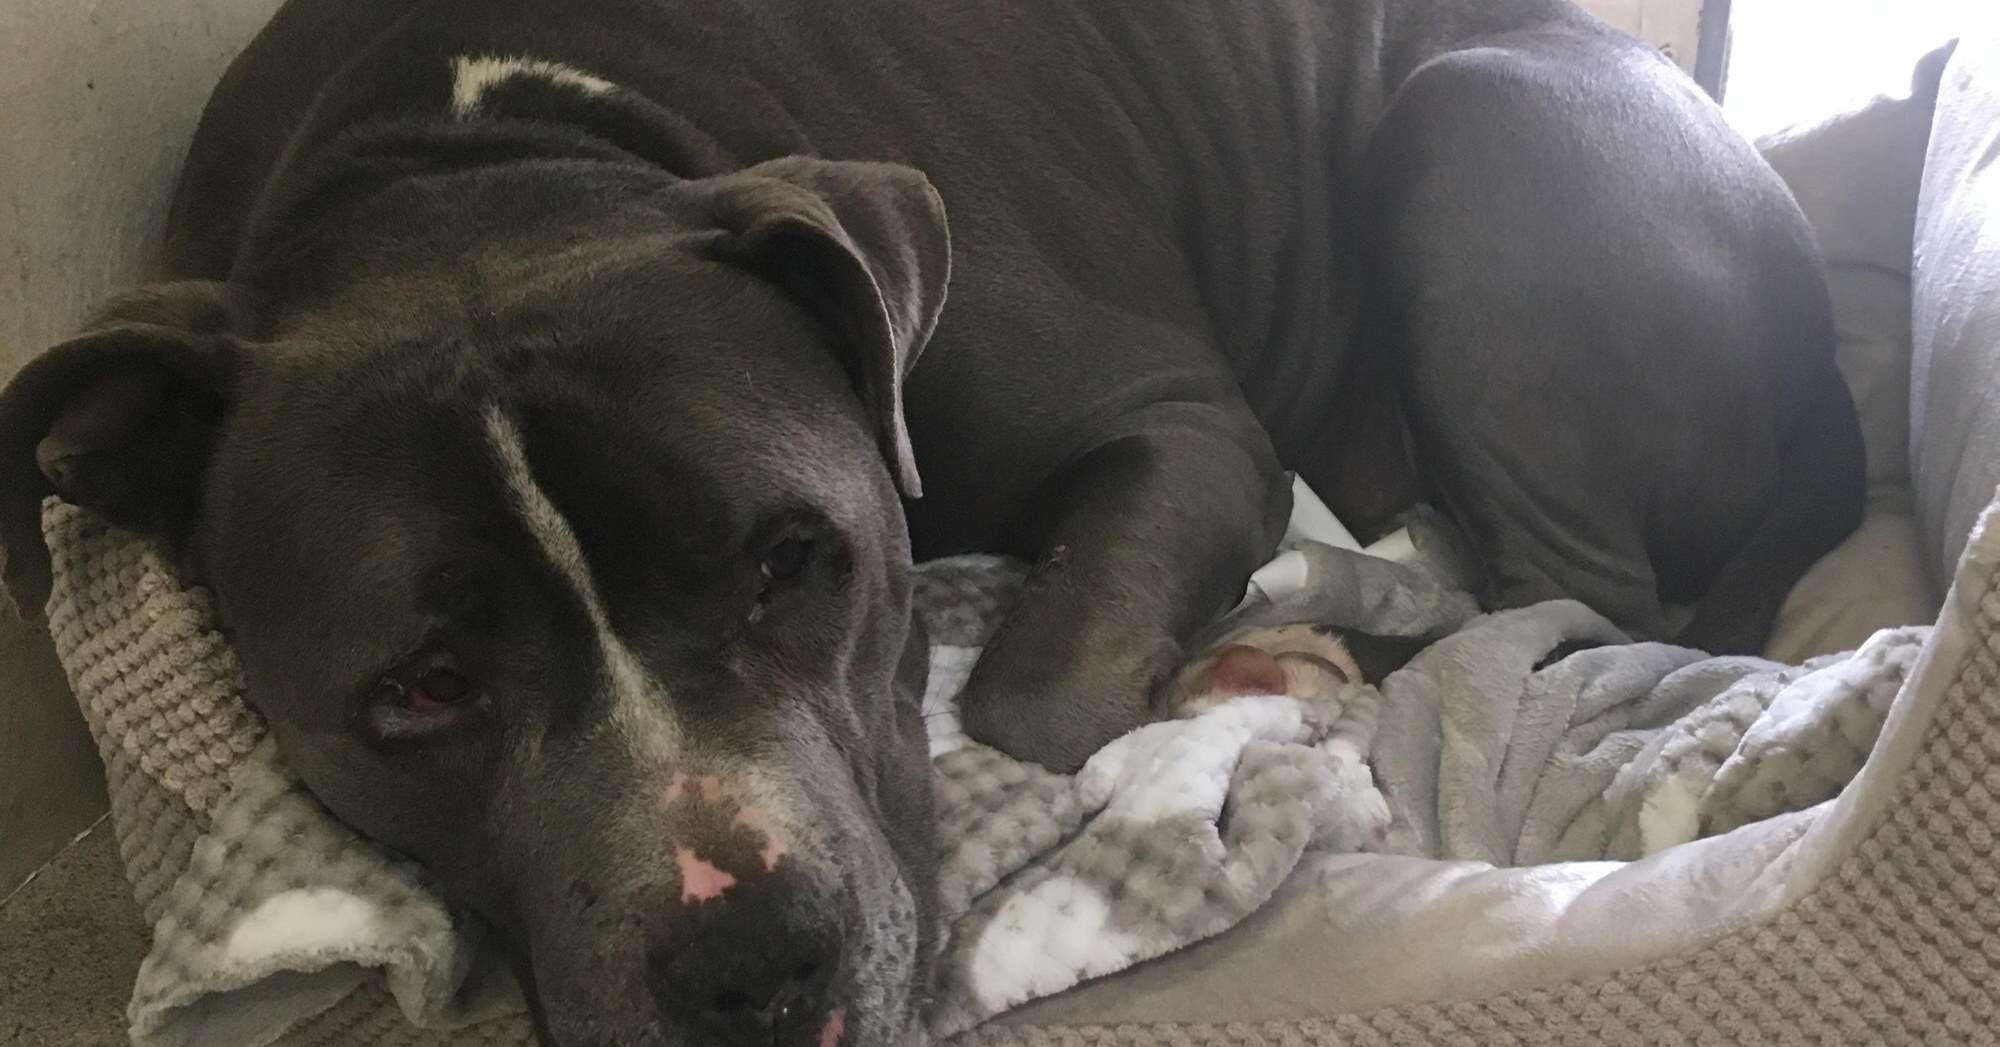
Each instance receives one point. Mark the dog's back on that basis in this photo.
(1173, 184)
(1175, 162)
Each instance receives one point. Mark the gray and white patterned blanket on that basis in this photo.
(267, 911)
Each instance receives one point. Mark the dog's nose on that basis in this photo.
(752, 971)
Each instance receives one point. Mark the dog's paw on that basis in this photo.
(1058, 711)
(1053, 727)
(1298, 661)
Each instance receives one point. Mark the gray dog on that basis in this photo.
(545, 390)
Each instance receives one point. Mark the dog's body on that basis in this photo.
(519, 357)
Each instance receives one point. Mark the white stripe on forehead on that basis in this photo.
(472, 76)
(639, 705)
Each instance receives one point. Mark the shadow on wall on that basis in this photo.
(1673, 26)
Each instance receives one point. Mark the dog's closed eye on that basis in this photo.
(426, 695)
(785, 559)
(789, 553)
(781, 563)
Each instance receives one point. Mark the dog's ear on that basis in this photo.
(862, 244)
(118, 420)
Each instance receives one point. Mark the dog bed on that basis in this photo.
(268, 915)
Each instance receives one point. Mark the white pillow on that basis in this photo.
(1856, 175)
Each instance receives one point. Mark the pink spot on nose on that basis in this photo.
(676, 786)
(709, 786)
(701, 881)
(836, 1025)
(755, 820)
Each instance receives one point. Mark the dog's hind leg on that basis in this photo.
(1607, 317)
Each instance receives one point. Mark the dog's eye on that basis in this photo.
(408, 705)
(438, 687)
(785, 559)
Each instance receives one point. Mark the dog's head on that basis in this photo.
(553, 511)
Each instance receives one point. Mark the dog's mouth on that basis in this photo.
(803, 954)
(797, 1016)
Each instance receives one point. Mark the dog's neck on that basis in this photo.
(497, 113)
(369, 196)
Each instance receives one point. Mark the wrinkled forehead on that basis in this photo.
(596, 282)
(343, 497)
(633, 348)
(343, 490)
(667, 402)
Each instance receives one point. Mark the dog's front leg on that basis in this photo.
(1141, 541)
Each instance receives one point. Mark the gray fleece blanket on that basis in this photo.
(1617, 751)
(1545, 734)
(268, 913)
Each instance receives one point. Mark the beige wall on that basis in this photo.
(102, 96)
(1671, 25)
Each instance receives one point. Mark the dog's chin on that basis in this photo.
(845, 1021)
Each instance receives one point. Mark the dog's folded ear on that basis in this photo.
(863, 244)
(118, 420)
